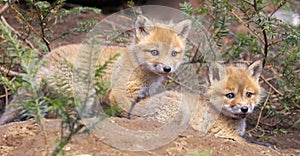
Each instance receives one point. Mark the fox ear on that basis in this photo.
(183, 28)
(255, 70)
(216, 72)
(143, 26)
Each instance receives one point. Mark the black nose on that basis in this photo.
(167, 69)
(244, 109)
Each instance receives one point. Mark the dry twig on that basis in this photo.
(16, 32)
(11, 73)
(4, 8)
(252, 31)
(6, 95)
(281, 75)
(260, 113)
(261, 110)
(271, 86)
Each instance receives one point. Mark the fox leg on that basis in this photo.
(10, 115)
(251, 140)
(13, 113)
(132, 106)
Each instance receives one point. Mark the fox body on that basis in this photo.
(156, 51)
(232, 95)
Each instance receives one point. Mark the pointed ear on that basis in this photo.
(183, 28)
(143, 26)
(216, 72)
(255, 70)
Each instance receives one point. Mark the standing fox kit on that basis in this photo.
(234, 92)
(157, 51)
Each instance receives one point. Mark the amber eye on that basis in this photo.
(174, 53)
(249, 94)
(230, 95)
(154, 52)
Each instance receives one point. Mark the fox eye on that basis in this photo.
(174, 53)
(249, 94)
(154, 52)
(230, 95)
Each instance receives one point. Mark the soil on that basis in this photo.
(27, 138)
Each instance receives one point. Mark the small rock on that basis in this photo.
(68, 148)
(288, 17)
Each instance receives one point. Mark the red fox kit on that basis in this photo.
(157, 50)
(234, 91)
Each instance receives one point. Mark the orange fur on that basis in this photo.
(139, 71)
(223, 115)
(166, 36)
(239, 82)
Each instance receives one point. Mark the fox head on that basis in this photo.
(235, 90)
(158, 47)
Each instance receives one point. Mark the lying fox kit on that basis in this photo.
(157, 50)
(234, 92)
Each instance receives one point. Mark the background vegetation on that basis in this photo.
(243, 30)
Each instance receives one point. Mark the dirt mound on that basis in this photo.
(26, 138)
